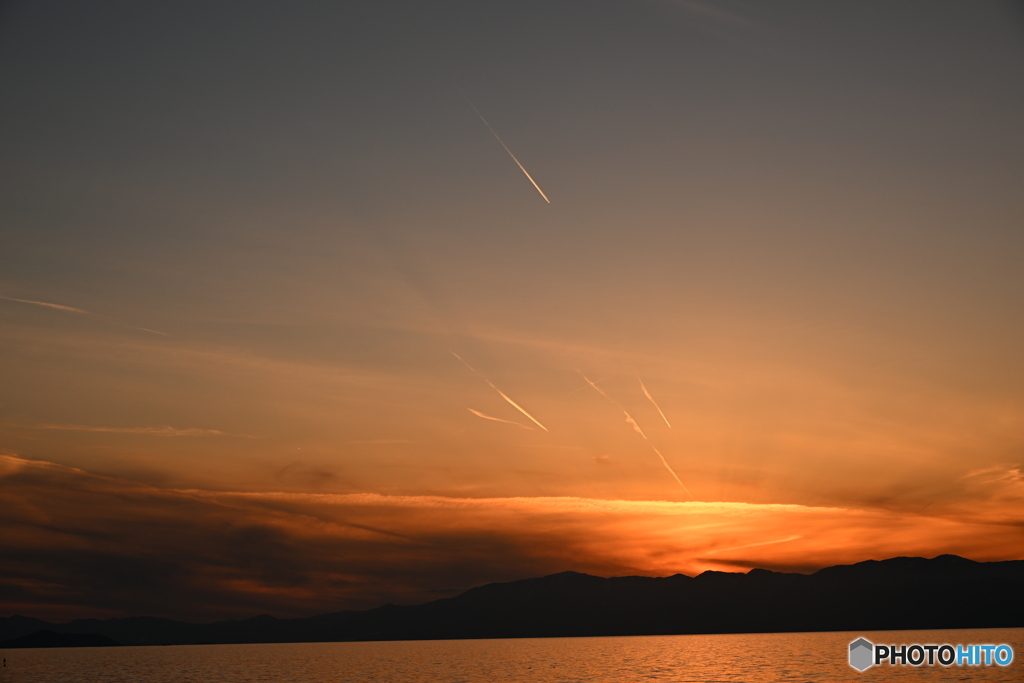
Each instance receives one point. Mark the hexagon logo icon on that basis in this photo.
(861, 654)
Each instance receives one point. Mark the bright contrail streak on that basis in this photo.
(497, 419)
(651, 399)
(525, 172)
(500, 392)
(636, 428)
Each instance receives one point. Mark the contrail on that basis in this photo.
(155, 431)
(651, 399)
(500, 392)
(525, 172)
(72, 309)
(69, 309)
(636, 428)
(497, 419)
(751, 545)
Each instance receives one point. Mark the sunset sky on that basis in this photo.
(285, 329)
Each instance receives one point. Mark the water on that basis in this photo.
(635, 659)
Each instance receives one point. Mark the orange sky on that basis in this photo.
(95, 539)
(235, 276)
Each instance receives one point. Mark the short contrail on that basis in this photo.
(59, 307)
(525, 172)
(751, 545)
(636, 428)
(497, 419)
(156, 431)
(651, 399)
(500, 392)
(72, 309)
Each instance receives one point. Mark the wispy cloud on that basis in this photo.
(541, 504)
(303, 553)
(997, 473)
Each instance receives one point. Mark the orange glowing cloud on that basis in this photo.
(68, 534)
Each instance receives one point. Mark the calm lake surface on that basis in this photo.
(758, 657)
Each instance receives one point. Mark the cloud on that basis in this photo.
(997, 474)
(77, 543)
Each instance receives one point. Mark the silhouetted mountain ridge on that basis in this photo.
(48, 638)
(899, 593)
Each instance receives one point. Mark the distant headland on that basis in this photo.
(899, 593)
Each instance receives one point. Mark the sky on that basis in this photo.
(318, 306)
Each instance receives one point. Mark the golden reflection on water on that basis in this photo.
(753, 658)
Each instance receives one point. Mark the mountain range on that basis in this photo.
(899, 593)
